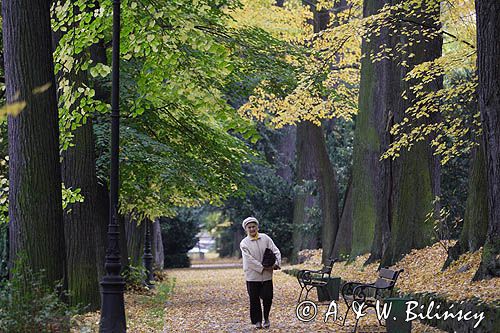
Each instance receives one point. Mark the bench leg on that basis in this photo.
(345, 316)
(300, 295)
(308, 290)
(356, 325)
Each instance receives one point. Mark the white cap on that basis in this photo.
(249, 220)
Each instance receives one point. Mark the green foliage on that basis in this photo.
(177, 260)
(446, 116)
(4, 251)
(70, 196)
(269, 198)
(27, 305)
(339, 142)
(179, 236)
(134, 277)
(175, 66)
(454, 186)
(161, 295)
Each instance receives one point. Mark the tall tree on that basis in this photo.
(415, 176)
(80, 222)
(135, 233)
(488, 69)
(158, 253)
(35, 202)
(78, 172)
(475, 227)
(313, 163)
(378, 97)
(343, 242)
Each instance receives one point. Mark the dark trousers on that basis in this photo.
(256, 291)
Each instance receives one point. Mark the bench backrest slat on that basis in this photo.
(388, 274)
(386, 278)
(384, 283)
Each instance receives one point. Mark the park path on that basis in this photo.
(215, 300)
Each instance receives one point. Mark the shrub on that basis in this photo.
(135, 277)
(27, 304)
(177, 260)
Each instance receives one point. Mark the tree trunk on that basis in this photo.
(35, 202)
(80, 227)
(414, 173)
(124, 257)
(80, 220)
(158, 253)
(378, 94)
(135, 240)
(343, 242)
(488, 68)
(286, 153)
(313, 163)
(475, 225)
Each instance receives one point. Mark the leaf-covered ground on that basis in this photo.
(422, 272)
(215, 300)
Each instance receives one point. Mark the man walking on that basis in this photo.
(258, 278)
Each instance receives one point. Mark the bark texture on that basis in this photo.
(488, 68)
(80, 223)
(35, 208)
(80, 220)
(286, 153)
(415, 173)
(475, 225)
(313, 163)
(378, 96)
(343, 242)
(135, 240)
(158, 253)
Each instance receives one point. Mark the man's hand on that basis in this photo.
(276, 267)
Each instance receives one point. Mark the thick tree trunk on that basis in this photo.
(122, 221)
(313, 163)
(415, 173)
(158, 252)
(80, 221)
(343, 242)
(371, 177)
(135, 240)
(475, 225)
(35, 203)
(80, 227)
(488, 68)
(286, 153)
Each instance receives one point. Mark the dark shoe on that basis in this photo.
(258, 325)
(267, 324)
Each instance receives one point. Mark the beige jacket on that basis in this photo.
(252, 251)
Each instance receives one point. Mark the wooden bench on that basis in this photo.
(369, 293)
(308, 279)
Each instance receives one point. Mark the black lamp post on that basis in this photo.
(148, 255)
(112, 284)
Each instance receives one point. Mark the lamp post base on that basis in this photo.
(113, 308)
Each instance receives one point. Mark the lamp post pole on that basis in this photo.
(112, 284)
